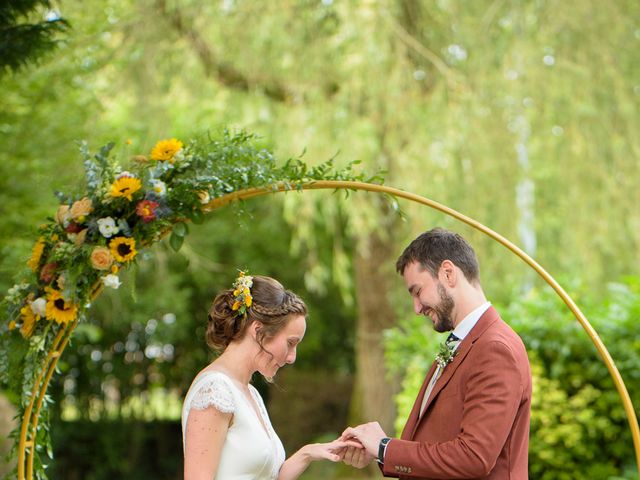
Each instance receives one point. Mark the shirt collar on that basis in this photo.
(468, 322)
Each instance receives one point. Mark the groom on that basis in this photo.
(471, 417)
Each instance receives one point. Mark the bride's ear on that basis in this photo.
(255, 327)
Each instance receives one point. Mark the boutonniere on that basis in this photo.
(445, 355)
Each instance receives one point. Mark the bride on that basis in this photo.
(227, 434)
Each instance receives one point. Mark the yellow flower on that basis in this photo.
(12, 325)
(101, 258)
(166, 150)
(123, 249)
(58, 309)
(36, 254)
(204, 197)
(242, 293)
(81, 209)
(28, 321)
(125, 187)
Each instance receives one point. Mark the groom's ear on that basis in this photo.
(448, 273)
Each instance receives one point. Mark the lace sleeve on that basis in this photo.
(214, 392)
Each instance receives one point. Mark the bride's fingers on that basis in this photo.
(339, 444)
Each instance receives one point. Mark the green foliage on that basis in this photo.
(121, 450)
(578, 425)
(22, 43)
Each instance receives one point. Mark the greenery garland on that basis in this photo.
(96, 234)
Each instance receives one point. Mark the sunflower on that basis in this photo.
(28, 321)
(123, 249)
(36, 254)
(166, 150)
(125, 186)
(58, 309)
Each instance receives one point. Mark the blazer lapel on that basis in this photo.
(487, 318)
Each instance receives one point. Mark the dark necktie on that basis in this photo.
(451, 341)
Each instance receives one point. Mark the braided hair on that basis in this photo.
(272, 305)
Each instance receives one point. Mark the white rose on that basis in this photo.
(38, 306)
(179, 156)
(111, 281)
(107, 227)
(159, 187)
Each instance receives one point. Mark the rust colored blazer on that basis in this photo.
(476, 422)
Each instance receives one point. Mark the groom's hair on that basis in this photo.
(435, 246)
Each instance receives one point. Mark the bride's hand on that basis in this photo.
(333, 451)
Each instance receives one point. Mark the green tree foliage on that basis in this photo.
(23, 40)
(578, 425)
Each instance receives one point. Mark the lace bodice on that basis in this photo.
(252, 450)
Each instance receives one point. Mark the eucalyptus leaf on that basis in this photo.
(176, 241)
(180, 229)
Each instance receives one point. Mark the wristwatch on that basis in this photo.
(382, 448)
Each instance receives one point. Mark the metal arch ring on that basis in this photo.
(26, 458)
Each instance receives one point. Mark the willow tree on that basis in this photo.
(519, 114)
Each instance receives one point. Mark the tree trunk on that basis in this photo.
(373, 390)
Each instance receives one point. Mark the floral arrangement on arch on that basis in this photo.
(92, 237)
(123, 208)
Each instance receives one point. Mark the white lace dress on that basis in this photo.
(249, 452)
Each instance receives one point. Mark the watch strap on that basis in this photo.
(382, 447)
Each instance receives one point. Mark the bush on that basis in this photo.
(106, 449)
(578, 425)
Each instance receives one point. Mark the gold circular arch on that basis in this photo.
(26, 444)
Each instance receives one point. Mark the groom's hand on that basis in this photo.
(356, 457)
(368, 434)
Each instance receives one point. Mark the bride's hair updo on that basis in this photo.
(272, 306)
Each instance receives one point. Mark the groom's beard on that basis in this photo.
(443, 321)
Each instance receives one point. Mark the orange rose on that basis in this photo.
(48, 272)
(62, 215)
(81, 208)
(101, 258)
(80, 237)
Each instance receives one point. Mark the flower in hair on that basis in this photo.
(242, 293)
